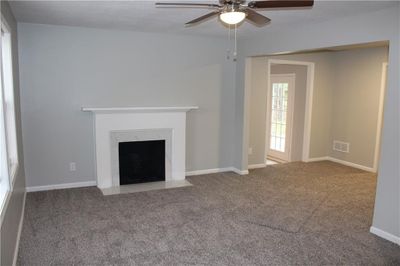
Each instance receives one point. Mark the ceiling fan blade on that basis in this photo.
(280, 3)
(202, 18)
(256, 18)
(180, 4)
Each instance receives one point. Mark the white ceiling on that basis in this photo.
(144, 16)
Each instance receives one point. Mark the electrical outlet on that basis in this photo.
(250, 150)
(72, 166)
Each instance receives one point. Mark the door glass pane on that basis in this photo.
(280, 93)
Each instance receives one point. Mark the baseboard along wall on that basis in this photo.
(208, 171)
(21, 222)
(199, 172)
(61, 186)
(328, 158)
(255, 166)
(217, 170)
(385, 235)
(94, 183)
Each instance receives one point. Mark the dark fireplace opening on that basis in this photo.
(141, 161)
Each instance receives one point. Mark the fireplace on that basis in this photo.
(141, 161)
(114, 126)
(141, 156)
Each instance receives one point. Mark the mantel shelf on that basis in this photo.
(109, 110)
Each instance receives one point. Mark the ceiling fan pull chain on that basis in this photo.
(235, 50)
(228, 51)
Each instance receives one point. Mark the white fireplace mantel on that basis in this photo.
(107, 110)
(119, 124)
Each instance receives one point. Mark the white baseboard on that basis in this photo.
(385, 235)
(21, 222)
(62, 186)
(208, 171)
(328, 158)
(217, 170)
(317, 159)
(358, 166)
(255, 166)
(240, 172)
(94, 183)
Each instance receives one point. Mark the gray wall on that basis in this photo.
(65, 68)
(344, 31)
(258, 107)
(13, 210)
(355, 108)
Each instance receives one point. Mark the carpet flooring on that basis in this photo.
(285, 214)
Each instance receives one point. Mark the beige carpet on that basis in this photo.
(284, 214)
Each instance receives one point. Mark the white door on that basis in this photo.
(280, 116)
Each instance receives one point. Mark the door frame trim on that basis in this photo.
(309, 100)
(379, 123)
(291, 100)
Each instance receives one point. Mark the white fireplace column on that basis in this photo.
(123, 124)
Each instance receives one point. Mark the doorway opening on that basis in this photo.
(335, 115)
(287, 137)
(280, 116)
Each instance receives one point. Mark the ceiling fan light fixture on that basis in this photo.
(232, 17)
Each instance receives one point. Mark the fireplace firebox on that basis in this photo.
(141, 161)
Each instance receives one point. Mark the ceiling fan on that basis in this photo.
(233, 12)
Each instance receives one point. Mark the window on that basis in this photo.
(280, 97)
(4, 185)
(8, 139)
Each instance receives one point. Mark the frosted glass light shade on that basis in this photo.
(233, 17)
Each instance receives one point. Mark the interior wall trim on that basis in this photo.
(358, 166)
(255, 166)
(385, 235)
(217, 170)
(94, 183)
(200, 172)
(328, 158)
(239, 172)
(61, 186)
(309, 102)
(380, 116)
(317, 159)
(208, 171)
(21, 222)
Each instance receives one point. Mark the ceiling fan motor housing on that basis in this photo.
(233, 7)
(230, 2)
